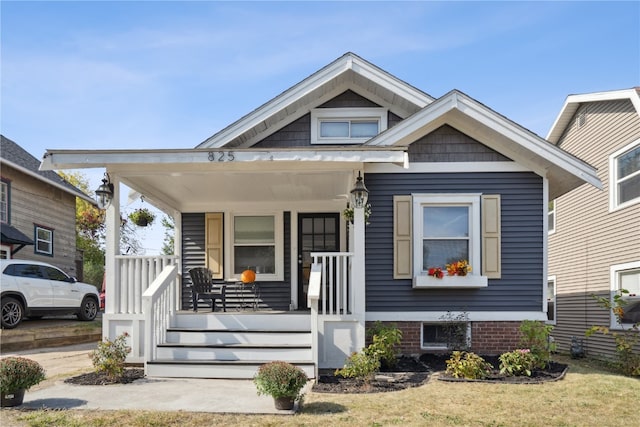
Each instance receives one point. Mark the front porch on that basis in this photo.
(172, 340)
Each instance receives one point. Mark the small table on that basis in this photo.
(255, 290)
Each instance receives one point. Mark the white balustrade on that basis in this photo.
(336, 297)
(160, 306)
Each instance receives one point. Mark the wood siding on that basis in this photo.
(588, 239)
(33, 202)
(273, 295)
(522, 212)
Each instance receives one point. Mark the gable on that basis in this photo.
(447, 144)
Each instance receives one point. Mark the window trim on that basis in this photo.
(555, 300)
(36, 228)
(613, 180)
(278, 246)
(7, 184)
(554, 213)
(615, 270)
(318, 115)
(472, 280)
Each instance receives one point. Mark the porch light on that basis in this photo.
(359, 194)
(104, 193)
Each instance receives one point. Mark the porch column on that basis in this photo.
(112, 248)
(358, 275)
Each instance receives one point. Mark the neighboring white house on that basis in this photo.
(448, 179)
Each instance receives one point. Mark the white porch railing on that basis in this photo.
(159, 304)
(336, 296)
(134, 274)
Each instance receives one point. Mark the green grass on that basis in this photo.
(589, 395)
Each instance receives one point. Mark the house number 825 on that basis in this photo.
(221, 156)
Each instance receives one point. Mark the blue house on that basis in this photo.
(448, 181)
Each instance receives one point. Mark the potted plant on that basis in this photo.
(17, 374)
(282, 381)
(142, 217)
(347, 214)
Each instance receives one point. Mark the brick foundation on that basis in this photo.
(487, 338)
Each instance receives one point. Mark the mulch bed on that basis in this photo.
(100, 378)
(413, 372)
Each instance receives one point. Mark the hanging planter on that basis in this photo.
(142, 217)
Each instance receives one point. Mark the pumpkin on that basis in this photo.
(248, 276)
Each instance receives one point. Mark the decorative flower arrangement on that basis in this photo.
(142, 217)
(18, 373)
(436, 272)
(348, 214)
(459, 268)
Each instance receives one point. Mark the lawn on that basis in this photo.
(588, 396)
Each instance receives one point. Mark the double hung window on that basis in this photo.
(44, 241)
(4, 202)
(624, 176)
(256, 245)
(627, 277)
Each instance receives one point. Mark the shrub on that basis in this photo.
(359, 365)
(17, 373)
(517, 363)
(536, 336)
(280, 379)
(467, 365)
(110, 356)
(384, 338)
(455, 330)
(628, 362)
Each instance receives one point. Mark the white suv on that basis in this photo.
(34, 289)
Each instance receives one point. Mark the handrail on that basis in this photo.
(159, 307)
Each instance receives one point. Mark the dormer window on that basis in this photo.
(346, 125)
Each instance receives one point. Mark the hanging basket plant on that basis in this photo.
(142, 217)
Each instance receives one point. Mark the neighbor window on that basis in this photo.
(624, 176)
(5, 252)
(447, 228)
(551, 300)
(44, 240)
(4, 202)
(445, 336)
(627, 277)
(256, 244)
(551, 216)
(346, 125)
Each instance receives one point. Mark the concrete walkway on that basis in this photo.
(154, 394)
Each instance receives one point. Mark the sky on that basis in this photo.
(169, 74)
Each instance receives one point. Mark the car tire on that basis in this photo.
(88, 309)
(12, 312)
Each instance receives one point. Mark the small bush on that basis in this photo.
(384, 338)
(517, 363)
(110, 356)
(18, 373)
(280, 379)
(359, 365)
(536, 337)
(467, 365)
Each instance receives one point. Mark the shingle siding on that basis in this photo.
(520, 287)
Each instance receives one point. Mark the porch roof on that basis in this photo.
(192, 180)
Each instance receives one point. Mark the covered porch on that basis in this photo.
(210, 196)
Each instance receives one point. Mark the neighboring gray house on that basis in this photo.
(37, 210)
(594, 236)
(448, 179)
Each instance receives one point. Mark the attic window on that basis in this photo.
(346, 125)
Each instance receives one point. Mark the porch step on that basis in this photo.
(232, 345)
(224, 369)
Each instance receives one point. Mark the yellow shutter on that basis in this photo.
(491, 242)
(213, 230)
(402, 242)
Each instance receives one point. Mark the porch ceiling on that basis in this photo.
(196, 190)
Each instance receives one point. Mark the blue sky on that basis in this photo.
(167, 74)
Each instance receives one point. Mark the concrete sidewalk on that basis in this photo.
(154, 394)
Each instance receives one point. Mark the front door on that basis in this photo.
(318, 232)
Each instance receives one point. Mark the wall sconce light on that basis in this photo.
(104, 193)
(359, 194)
